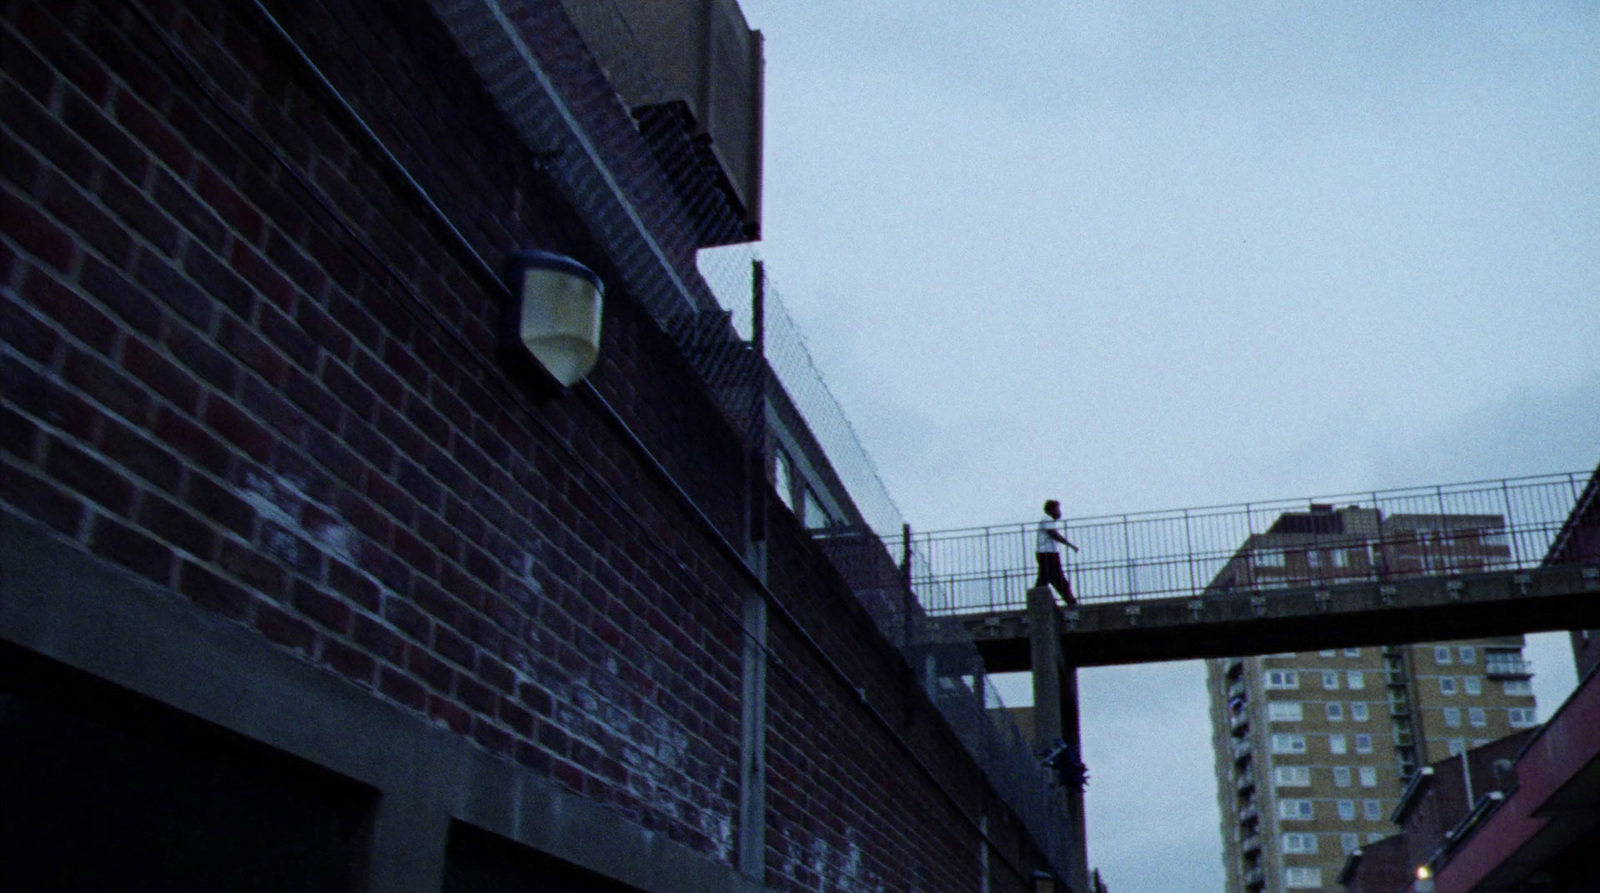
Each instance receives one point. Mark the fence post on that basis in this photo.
(907, 599)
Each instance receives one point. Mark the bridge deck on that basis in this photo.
(1418, 609)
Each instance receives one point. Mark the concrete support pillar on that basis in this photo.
(1055, 716)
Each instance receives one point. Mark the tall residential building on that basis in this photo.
(1313, 749)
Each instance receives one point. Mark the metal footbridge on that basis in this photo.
(1419, 564)
(1430, 563)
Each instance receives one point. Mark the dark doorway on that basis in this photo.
(102, 789)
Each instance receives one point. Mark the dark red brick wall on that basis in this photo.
(238, 359)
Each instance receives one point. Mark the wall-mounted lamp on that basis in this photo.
(1424, 879)
(555, 312)
(1044, 882)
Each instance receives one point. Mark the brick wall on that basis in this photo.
(240, 360)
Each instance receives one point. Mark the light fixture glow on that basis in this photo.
(557, 313)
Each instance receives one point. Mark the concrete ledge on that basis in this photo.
(69, 606)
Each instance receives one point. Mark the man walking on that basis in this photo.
(1047, 549)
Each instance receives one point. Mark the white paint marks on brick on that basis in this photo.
(337, 540)
(834, 870)
(718, 827)
(525, 574)
(278, 500)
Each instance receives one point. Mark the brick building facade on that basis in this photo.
(299, 582)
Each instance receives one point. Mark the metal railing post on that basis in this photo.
(1511, 524)
(1188, 543)
(1127, 551)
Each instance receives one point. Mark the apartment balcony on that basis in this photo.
(1394, 678)
(1234, 667)
(1249, 814)
(1245, 782)
(1250, 845)
(1236, 690)
(1254, 879)
(1242, 750)
(1240, 723)
(1503, 668)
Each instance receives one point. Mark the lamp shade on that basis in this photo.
(557, 313)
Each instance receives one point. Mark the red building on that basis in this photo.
(309, 582)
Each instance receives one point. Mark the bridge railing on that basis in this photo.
(1377, 535)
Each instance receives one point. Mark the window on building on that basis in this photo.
(1518, 687)
(1337, 744)
(1286, 743)
(1355, 679)
(1341, 557)
(1335, 711)
(1522, 717)
(1313, 558)
(1358, 711)
(1369, 776)
(1285, 711)
(1349, 842)
(1363, 744)
(1282, 679)
(1302, 878)
(1347, 810)
(1447, 685)
(1352, 652)
(1296, 810)
(1341, 776)
(1452, 717)
(1441, 654)
(1469, 654)
(1269, 557)
(1303, 844)
(815, 516)
(783, 478)
(1472, 685)
(1291, 776)
(1370, 811)
(1330, 679)
(1477, 717)
(1331, 652)
(1455, 746)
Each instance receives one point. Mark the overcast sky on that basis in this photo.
(1149, 255)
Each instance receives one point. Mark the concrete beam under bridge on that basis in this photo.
(1344, 615)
